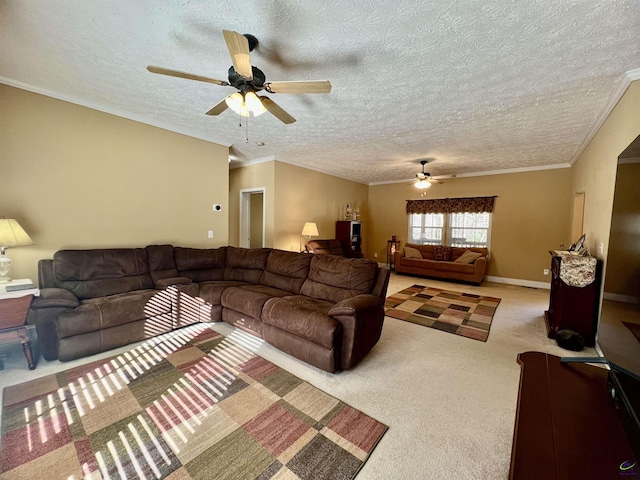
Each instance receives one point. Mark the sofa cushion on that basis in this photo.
(286, 270)
(249, 299)
(468, 257)
(105, 312)
(211, 292)
(100, 272)
(301, 321)
(161, 262)
(441, 253)
(335, 278)
(201, 264)
(245, 264)
(453, 267)
(412, 252)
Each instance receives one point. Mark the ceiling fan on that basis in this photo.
(249, 80)
(424, 179)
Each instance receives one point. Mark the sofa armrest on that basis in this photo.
(480, 264)
(163, 283)
(43, 312)
(361, 318)
(54, 297)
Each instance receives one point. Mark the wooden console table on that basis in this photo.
(566, 424)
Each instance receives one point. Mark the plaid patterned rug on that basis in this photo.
(191, 404)
(464, 314)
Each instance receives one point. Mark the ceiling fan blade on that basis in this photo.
(219, 108)
(312, 86)
(276, 110)
(238, 47)
(188, 76)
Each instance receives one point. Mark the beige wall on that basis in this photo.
(531, 216)
(294, 196)
(595, 170)
(304, 195)
(76, 178)
(252, 177)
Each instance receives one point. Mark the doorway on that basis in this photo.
(252, 217)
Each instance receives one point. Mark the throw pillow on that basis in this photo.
(441, 253)
(412, 252)
(468, 257)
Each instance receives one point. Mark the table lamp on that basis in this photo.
(310, 230)
(11, 235)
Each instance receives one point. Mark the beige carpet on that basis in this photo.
(449, 402)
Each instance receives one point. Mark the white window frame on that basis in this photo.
(446, 230)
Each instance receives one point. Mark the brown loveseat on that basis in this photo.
(443, 262)
(327, 311)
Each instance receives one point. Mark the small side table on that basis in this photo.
(14, 305)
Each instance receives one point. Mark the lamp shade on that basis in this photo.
(310, 230)
(12, 234)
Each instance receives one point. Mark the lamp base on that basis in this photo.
(5, 266)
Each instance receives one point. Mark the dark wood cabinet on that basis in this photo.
(567, 426)
(573, 308)
(349, 234)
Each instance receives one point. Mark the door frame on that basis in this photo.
(245, 214)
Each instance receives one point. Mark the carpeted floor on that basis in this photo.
(465, 314)
(191, 403)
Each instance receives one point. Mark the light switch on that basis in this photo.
(210, 234)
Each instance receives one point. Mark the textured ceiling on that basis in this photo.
(475, 85)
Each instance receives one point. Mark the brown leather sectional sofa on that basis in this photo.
(325, 310)
(430, 264)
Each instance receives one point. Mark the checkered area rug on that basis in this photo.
(192, 404)
(464, 314)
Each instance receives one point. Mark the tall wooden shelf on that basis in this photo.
(349, 234)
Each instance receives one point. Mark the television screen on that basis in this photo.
(619, 326)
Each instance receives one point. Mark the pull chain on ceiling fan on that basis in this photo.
(249, 80)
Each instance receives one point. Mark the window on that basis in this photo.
(452, 229)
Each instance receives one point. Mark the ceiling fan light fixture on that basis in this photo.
(422, 184)
(247, 105)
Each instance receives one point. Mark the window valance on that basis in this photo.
(451, 205)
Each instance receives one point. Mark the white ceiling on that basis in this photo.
(475, 85)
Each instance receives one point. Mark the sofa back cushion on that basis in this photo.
(100, 272)
(286, 270)
(246, 264)
(335, 278)
(201, 264)
(162, 264)
(441, 252)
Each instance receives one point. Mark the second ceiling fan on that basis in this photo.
(249, 80)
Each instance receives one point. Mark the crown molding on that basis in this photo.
(111, 111)
(615, 97)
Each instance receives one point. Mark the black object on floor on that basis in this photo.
(570, 340)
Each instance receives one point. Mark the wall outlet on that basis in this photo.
(210, 234)
(545, 271)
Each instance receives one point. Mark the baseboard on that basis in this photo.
(616, 297)
(518, 281)
(509, 281)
